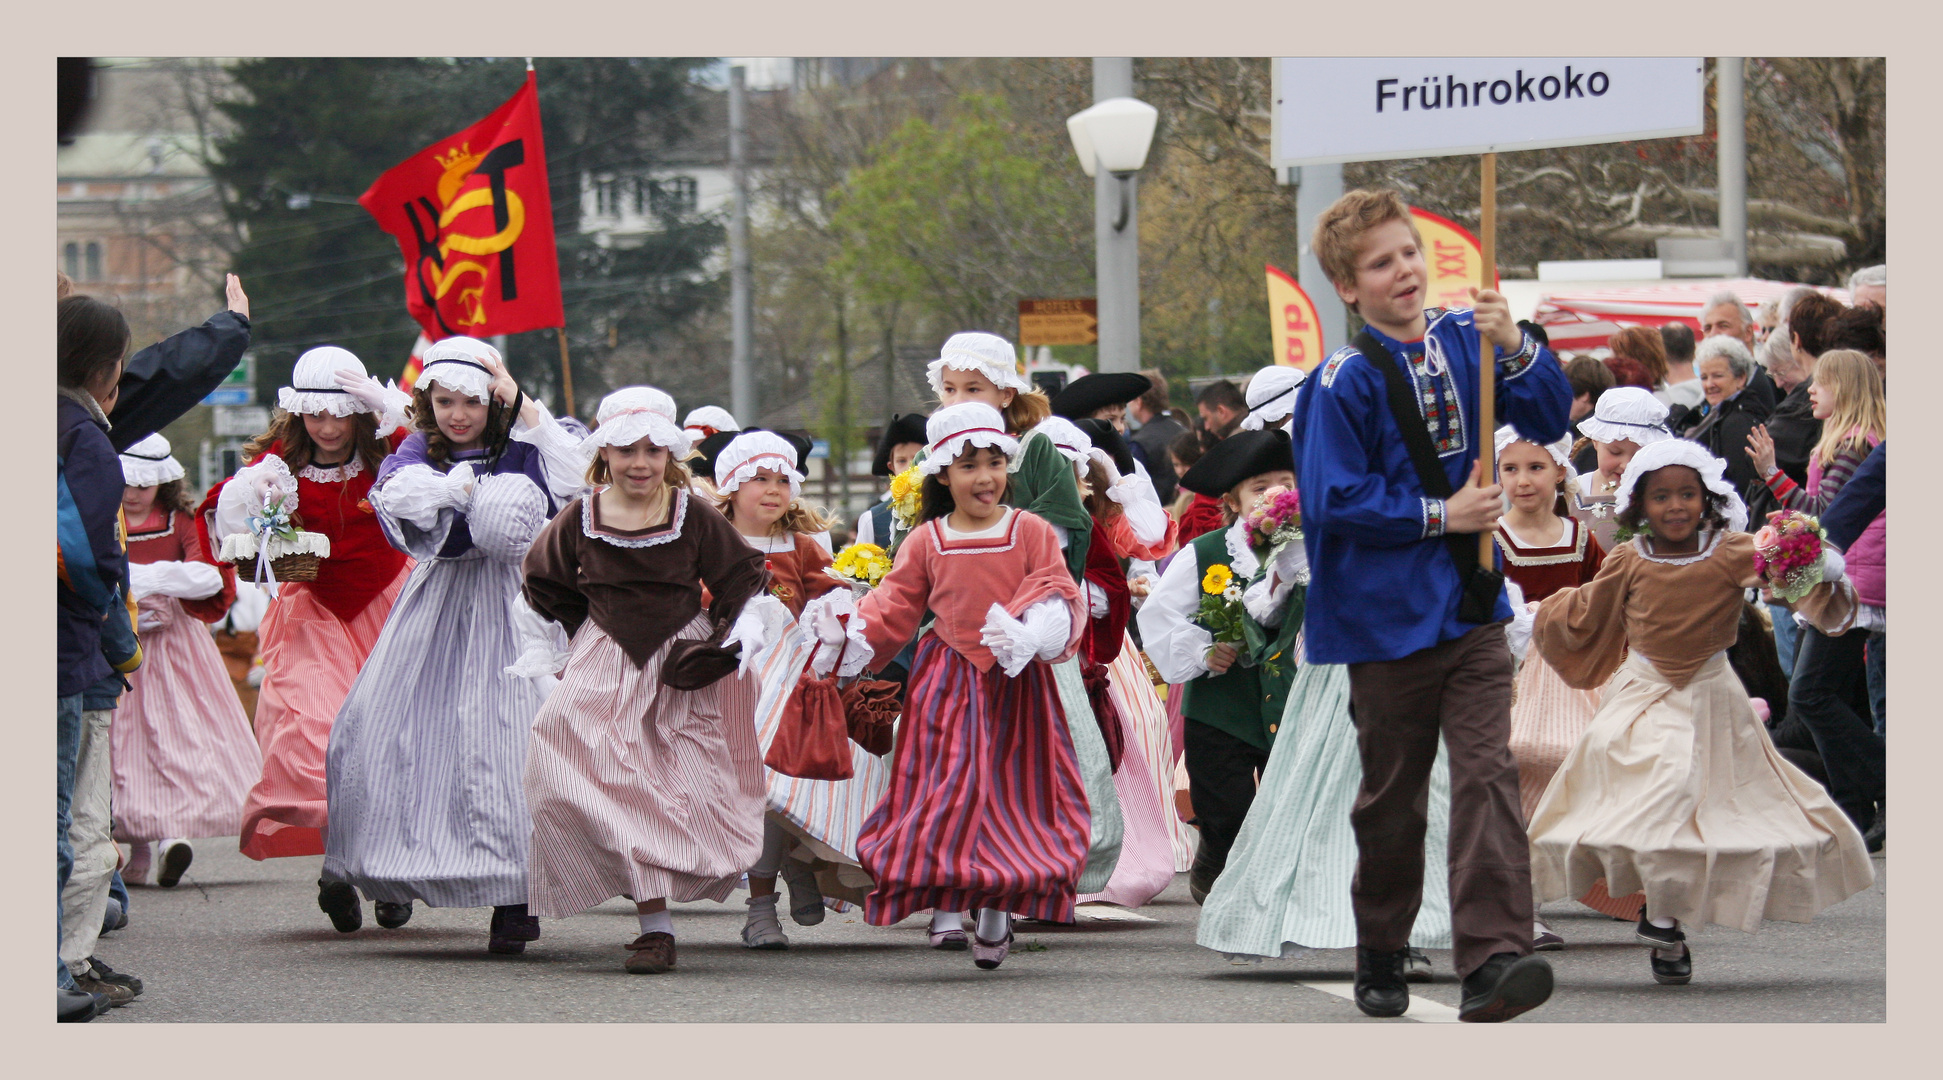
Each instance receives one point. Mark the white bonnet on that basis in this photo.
(631, 413)
(988, 354)
(148, 463)
(1666, 452)
(1508, 435)
(705, 420)
(1627, 413)
(954, 427)
(1065, 436)
(313, 390)
(1271, 395)
(456, 363)
(750, 452)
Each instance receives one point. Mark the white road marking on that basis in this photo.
(1422, 1009)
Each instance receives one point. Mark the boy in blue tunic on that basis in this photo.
(1385, 596)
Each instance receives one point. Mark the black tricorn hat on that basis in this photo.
(1089, 394)
(1108, 438)
(905, 428)
(1236, 458)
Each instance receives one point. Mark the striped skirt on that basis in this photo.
(1144, 785)
(310, 659)
(1108, 828)
(1286, 885)
(427, 753)
(635, 789)
(184, 758)
(986, 807)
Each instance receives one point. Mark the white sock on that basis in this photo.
(656, 920)
(1538, 927)
(1664, 924)
(993, 924)
(942, 921)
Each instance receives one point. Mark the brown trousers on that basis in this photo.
(1462, 688)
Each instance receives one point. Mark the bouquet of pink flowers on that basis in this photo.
(1788, 554)
(1276, 520)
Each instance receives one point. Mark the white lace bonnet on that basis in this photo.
(148, 463)
(750, 452)
(312, 390)
(988, 354)
(1271, 395)
(954, 427)
(1666, 452)
(631, 413)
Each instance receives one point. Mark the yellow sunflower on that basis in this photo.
(1217, 579)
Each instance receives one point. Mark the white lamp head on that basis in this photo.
(1116, 133)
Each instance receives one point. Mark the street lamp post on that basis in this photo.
(1112, 138)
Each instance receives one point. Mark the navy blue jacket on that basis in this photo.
(93, 474)
(167, 379)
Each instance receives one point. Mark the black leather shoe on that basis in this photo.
(76, 1006)
(1659, 937)
(1873, 839)
(1416, 966)
(340, 901)
(392, 916)
(1503, 987)
(1380, 989)
(1675, 972)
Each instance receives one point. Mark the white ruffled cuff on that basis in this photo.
(561, 457)
(182, 580)
(1141, 504)
(837, 640)
(1011, 642)
(543, 643)
(1267, 599)
(397, 412)
(1049, 627)
(762, 621)
(417, 493)
(244, 495)
(1097, 602)
(1518, 634)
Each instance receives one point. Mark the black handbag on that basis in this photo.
(1482, 584)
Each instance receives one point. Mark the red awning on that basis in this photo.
(1583, 319)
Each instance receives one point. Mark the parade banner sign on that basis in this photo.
(1292, 322)
(1454, 258)
(475, 223)
(1370, 109)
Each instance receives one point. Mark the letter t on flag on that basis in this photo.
(474, 221)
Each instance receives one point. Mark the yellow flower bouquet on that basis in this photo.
(860, 566)
(906, 498)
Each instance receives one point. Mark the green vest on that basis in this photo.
(1245, 702)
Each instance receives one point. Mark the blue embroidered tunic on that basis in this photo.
(1382, 583)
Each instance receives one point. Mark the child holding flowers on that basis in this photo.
(1286, 885)
(759, 489)
(1197, 632)
(985, 809)
(1674, 789)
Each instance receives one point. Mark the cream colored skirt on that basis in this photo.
(1678, 793)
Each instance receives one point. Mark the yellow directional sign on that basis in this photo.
(1059, 322)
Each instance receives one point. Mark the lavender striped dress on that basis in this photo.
(427, 753)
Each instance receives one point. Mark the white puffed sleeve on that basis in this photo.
(416, 493)
(506, 513)
(762, 621)
(543, 644)
(1141, 504)
(1049, 627)
(561, 459)
(1011, 642)
(1518, 634)
(1177, 645)
(182, 580)
(1267, 600)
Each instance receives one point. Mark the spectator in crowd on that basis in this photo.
(1847, 395)
(1857, 523)
(1642, 344)
(1627, 371)
(1155, 428)
(1766, 318)
(1860, 328)
(1730, 410)
(1793, 430)
(1870, 286)
(1726, 316)
(1682, 386)
(1221, 406)
(1197, 513)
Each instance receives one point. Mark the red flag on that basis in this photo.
(475, 223)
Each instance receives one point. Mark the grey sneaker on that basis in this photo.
(805, 895)
(764, 930)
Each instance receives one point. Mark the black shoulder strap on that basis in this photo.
(1416, 439)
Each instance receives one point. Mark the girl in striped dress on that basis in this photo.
(986, 808)
(635, 788)
(759, 487)
(1545, 549)
(982, 368)
(334, 428)
(183, 755)
(427, 751)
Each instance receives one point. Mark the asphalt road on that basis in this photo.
(240, 941)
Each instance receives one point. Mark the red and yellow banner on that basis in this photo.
(1292, 322)
(475, 223)
(1454, 259)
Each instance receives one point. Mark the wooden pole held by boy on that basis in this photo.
(566, 370)
(1487, 369)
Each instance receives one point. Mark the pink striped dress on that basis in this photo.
(637, 789)
(184, 758)
(986, 807)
